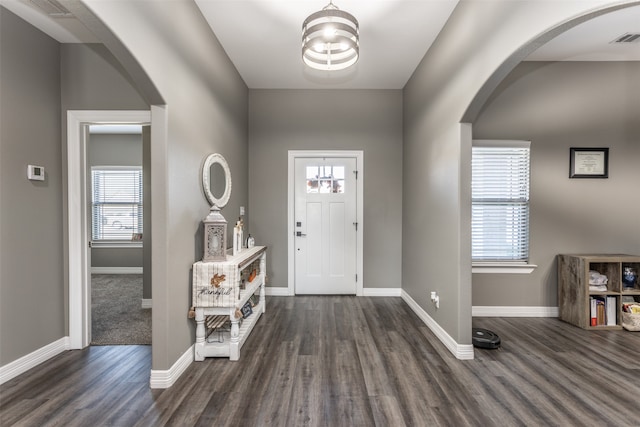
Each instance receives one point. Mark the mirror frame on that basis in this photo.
(206, 180)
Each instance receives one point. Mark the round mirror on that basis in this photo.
(216, 180)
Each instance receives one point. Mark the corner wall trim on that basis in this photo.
(31, 360)
(382, 292)
(460, 351)
(277, 291)
(116, 270)
(515, 311)
(165, 379)
(147, 303)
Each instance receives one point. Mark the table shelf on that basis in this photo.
(223, 288)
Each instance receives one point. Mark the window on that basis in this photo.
(500, 201)
(116, 203)
(325, 179)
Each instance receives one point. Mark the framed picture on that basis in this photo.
(589, 162)
(246, 310)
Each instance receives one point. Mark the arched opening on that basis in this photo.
(556, 106)
(480, 45)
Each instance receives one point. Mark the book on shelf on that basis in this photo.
(611, 306)
(598, 311)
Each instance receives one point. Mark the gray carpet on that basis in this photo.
(116, 314)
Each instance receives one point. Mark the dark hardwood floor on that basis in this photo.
(347, 361)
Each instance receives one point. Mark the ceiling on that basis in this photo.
(263, 38)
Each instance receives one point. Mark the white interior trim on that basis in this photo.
(359, 156)
(33, 359)
(281, 291)
(165, 379)
(382, 292)
(504, 268)
(517, 143)
(115, 245)
(505, 311)
(116, 270)
(460, 351)
(78, 255)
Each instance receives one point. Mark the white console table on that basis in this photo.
(222, 288)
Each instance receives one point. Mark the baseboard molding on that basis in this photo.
(382, 292)
(116, 270)
(165, 379)
(514, 311)
(460, 351)
(276, 291)
(33, 359)
(367, 292)
(147, 303)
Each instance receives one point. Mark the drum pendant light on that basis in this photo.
(330, 39)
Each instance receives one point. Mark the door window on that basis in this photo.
(325, 179)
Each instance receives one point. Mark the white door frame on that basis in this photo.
(359, 156)
(78, 249)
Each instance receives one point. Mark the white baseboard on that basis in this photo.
(381, 292)
(276, 291)
(460, 351)
(367, 292)
(147, 303)
(33, 359)
(116, 270)
(165, 379)
(500, 311)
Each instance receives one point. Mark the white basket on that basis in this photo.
(631, 321)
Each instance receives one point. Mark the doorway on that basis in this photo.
(118, 161)
(325, 222)
(79, 253)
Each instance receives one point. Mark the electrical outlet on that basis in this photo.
(435, 299)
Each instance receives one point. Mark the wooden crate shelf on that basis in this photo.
(573, 286)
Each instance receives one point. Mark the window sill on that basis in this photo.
(502, 268)
(115, 245)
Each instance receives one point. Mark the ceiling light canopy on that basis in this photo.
(330, 39)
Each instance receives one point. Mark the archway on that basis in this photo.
(481, 43)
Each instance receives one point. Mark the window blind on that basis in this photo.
(116, 203)
(500, 201)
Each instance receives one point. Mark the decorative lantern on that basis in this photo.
(215, 236)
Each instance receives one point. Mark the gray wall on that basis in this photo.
(205, 112)
(368, 120)
(40, 79)
(114, 150)
(32, 308)
(557, 106)
(92, 79)
(479, 45)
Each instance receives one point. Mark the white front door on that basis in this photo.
(325, 225)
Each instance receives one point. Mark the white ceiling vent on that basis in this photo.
(52, 8)
(628, 38)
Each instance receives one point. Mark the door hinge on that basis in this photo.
(356, 278)
(356, 172)
(356, 225)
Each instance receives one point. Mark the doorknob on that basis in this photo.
(299, 234)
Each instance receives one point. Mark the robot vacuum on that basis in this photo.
(484, 338)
